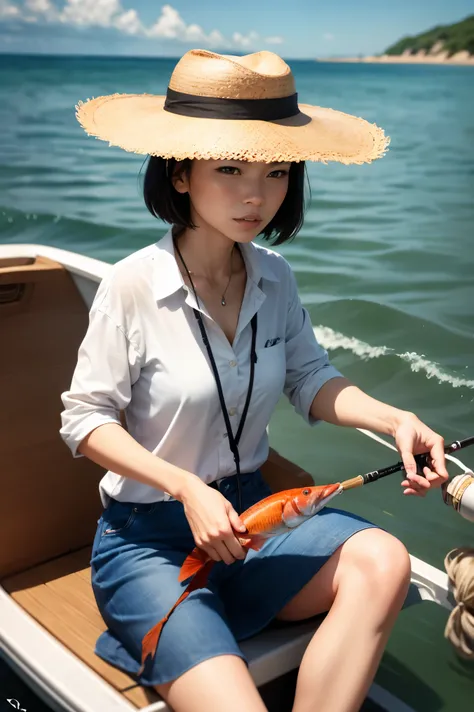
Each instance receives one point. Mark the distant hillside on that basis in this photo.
(445, 38)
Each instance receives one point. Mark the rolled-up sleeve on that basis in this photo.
(107, 366)
(307, 364)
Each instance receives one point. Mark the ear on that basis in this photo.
(180, 179)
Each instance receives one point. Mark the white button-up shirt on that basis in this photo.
(143, 353)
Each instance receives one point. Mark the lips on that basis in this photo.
(251, 221)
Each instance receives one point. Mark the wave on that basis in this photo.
(332, 340)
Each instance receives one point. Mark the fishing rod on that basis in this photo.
(422, 460)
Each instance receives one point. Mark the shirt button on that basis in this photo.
(233, 363)
(232, 411)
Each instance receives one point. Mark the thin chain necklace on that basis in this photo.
(223, 301)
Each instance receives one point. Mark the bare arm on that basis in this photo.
(341, 403)
(112, 447)
(210, 515)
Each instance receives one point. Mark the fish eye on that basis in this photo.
(306, 491)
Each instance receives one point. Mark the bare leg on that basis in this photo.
(363, 585)
(220, 683)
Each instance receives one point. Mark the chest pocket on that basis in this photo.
(270, 369)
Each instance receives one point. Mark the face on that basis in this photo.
(223, 191)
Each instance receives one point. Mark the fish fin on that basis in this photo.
(193, 563)
(200, 579)
(256, 542)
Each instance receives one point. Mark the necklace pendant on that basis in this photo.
(223, 302)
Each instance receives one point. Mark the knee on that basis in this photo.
(382, 561)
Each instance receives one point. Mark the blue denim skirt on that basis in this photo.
(137, 552)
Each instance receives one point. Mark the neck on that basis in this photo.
(207, 256)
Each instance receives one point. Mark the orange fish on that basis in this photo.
(277, 514)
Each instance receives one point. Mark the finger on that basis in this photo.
(435, 480)
(418, 481)
(409, 463)
(438, 458)
(435, 475)
(211, 551)
(432, 477)
(235, 520)
(223, 551)
(414, 487)
(414, 492)
(234, 546)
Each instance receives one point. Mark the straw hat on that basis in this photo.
(222, 106)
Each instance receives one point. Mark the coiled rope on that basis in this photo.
(459, 565)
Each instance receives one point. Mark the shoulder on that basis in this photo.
(136, 268)
(130, 279)
(273, 265)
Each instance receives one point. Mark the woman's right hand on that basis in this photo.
(213, 520)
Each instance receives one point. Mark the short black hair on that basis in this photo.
(165, 202)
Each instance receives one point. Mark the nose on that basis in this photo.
(254, 198)
(254, 190)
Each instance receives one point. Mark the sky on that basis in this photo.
(294, 29)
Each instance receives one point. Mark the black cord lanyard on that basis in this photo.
(233, 442)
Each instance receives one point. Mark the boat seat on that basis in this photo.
(50, 502)
(58, 594)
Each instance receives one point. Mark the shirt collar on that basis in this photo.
(168, 279)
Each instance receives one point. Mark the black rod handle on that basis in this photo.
(422, 460)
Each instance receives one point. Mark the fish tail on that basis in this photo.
(193, 563)
(150, 642)
(151, 639)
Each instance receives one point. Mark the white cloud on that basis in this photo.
(7, 10)
(90, 12)
(245, 41)
(216, 38)
(41, 9)
(328, 36)
(169, 24)
(39, 6)
(129, 23)
(274, 40)
(110, 14)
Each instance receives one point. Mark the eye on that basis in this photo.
(221, 169)
(306, 491)
(227, 168)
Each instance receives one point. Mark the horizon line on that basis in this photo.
(135, 56)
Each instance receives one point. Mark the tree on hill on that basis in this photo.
(454, 38)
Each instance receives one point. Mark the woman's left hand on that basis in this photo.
(413, 437)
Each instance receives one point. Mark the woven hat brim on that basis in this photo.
(139, 124)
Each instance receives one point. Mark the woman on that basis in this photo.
(195, 337)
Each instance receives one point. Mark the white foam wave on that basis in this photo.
(331, 340)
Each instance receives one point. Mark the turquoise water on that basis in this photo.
(384, 262)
